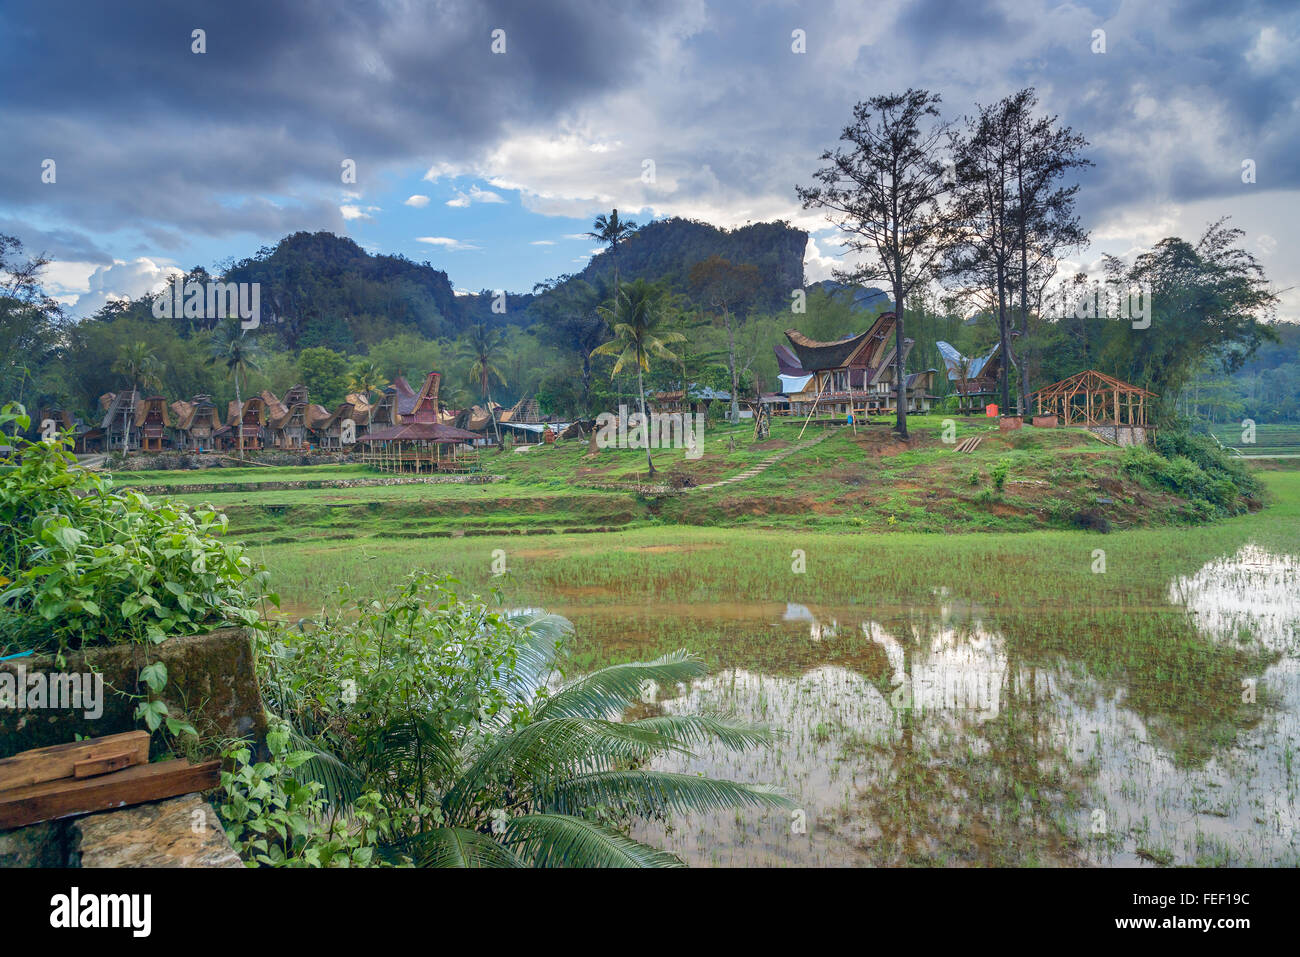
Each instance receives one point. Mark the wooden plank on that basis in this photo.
(93, 766)
(60, 760)
(139, 784)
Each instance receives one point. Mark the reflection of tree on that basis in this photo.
(987, 787)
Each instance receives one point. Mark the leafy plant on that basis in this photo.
(1001, 468)
(274, 818)
(453, 714)
(83, 564)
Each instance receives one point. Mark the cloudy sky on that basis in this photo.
(491, 164)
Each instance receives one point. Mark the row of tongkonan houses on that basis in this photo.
(132, 421)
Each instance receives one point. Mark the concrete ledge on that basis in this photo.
(210, 678)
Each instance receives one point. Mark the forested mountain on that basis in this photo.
(320, 289)
(665, 250)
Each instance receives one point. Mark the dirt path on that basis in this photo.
(768, 462)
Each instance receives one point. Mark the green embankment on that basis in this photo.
(854, 480)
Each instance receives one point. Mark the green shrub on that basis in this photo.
(82, 564)
(275, 818)
(450, 713)
(1000, 470)
(1194, 468)
(1206, 453)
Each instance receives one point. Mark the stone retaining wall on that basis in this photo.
(210, 678)
(1123, 435)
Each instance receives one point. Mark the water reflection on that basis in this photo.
(956, 742)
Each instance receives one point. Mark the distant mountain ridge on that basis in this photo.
(865, 298)
(321, 289)
(665, 250)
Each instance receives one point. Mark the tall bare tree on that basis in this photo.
(981, 254)
(885, 189)
(1041, 152)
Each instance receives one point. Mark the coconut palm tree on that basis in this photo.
(141, 367)
(572, 757)
(637, 321)
(611, 231)
(483, 347)
(366, 378)
(240, 355)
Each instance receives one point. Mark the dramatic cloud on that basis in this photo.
(699, 108)
(122, 280)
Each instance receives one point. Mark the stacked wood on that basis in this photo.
(82, 777)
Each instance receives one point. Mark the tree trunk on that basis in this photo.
(645, 419)
(731, 364)
(239, 402)
(487, 401)
(900, 377)
(1024, 282)
(1004, 343)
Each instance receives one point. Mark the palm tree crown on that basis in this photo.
(611, 231)
(637, 320)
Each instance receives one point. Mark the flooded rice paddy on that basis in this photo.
(1054, 699)
(946, 734)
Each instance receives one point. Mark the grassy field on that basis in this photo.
(1114, 663)
(1279, 439)
(852, 480)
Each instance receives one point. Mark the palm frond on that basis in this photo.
(340, 784)
(542, 637)
(411, 740)
(558, 840)
(648, 792)
(610, 690)
(554, 748)
(458, 847)
(692, 730)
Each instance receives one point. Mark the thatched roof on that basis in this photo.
(815, 355)
(316, 416)
(420, 432)
(153, 403)
(116, 407)
(254, 402)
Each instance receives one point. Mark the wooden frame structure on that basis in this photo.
(1091, 399)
